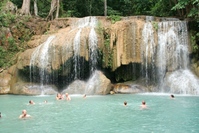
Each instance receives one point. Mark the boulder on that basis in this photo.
(98, 84)
(76, 87)
(128, 89)
(5, 78)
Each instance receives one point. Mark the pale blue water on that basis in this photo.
(101, 114)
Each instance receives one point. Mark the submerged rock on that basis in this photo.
(98, 84)
(128, 89)
(76, 87)
(34, 89)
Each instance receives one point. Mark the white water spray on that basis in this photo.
(93, 50)
(40, 59)
(173, 57)
(76, 48)
(147, 50)
(89, 22)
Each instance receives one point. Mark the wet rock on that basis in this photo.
(4, 82)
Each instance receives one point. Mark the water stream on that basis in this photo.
(40, 58)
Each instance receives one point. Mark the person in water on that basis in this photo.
(59, 96)
(125, 103)
(172, 96)
(68, 97)
(24, 114)
(31, 102)
(0, 114)
(84, 96)
(143, 105)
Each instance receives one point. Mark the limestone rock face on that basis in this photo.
(131, 49)
(125, 36)
(5, 79)
(195, 68)
(125, 41)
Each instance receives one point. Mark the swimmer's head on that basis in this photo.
(24, 111)
(143, 102)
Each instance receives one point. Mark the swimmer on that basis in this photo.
(84, 96)
(68, 97)
(125, 103)
(143, 105)
(59, 96)
(45, 101)
(24, 114)
(0, 114)
(172, 96)
(31, 102)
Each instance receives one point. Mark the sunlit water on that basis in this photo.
(101, 114)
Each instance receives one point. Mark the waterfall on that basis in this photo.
(87, 22)
(167, 59)
(173, 57)
(172, 48)
(147, 52)
(76, 48)
(40, 58)
(172, 45)
(93, 50)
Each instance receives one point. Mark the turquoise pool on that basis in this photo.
(101, 114)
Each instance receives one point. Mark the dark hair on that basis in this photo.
(143, 102)
(172, 96)
(125, 103)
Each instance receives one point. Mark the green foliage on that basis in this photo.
(155, 25)
(195, 46)
(107, 40)
(6, 19)
(107, 52)
(161, 8)
(7, 57)
(193, 13)
(114, 18)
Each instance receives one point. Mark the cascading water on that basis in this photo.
(169, 57)
(91, 23)
(93, 50)
(40, 57)
(173, 57)
(76, 48)
(148, 51)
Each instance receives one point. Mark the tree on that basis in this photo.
(54, 7)
(35, 8)
(187, 8)
(25, 9)
(105, 7)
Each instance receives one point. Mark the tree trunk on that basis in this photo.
(35, 8)
(57, 13)
(25, 9)
(54, 6)
(105, 8)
